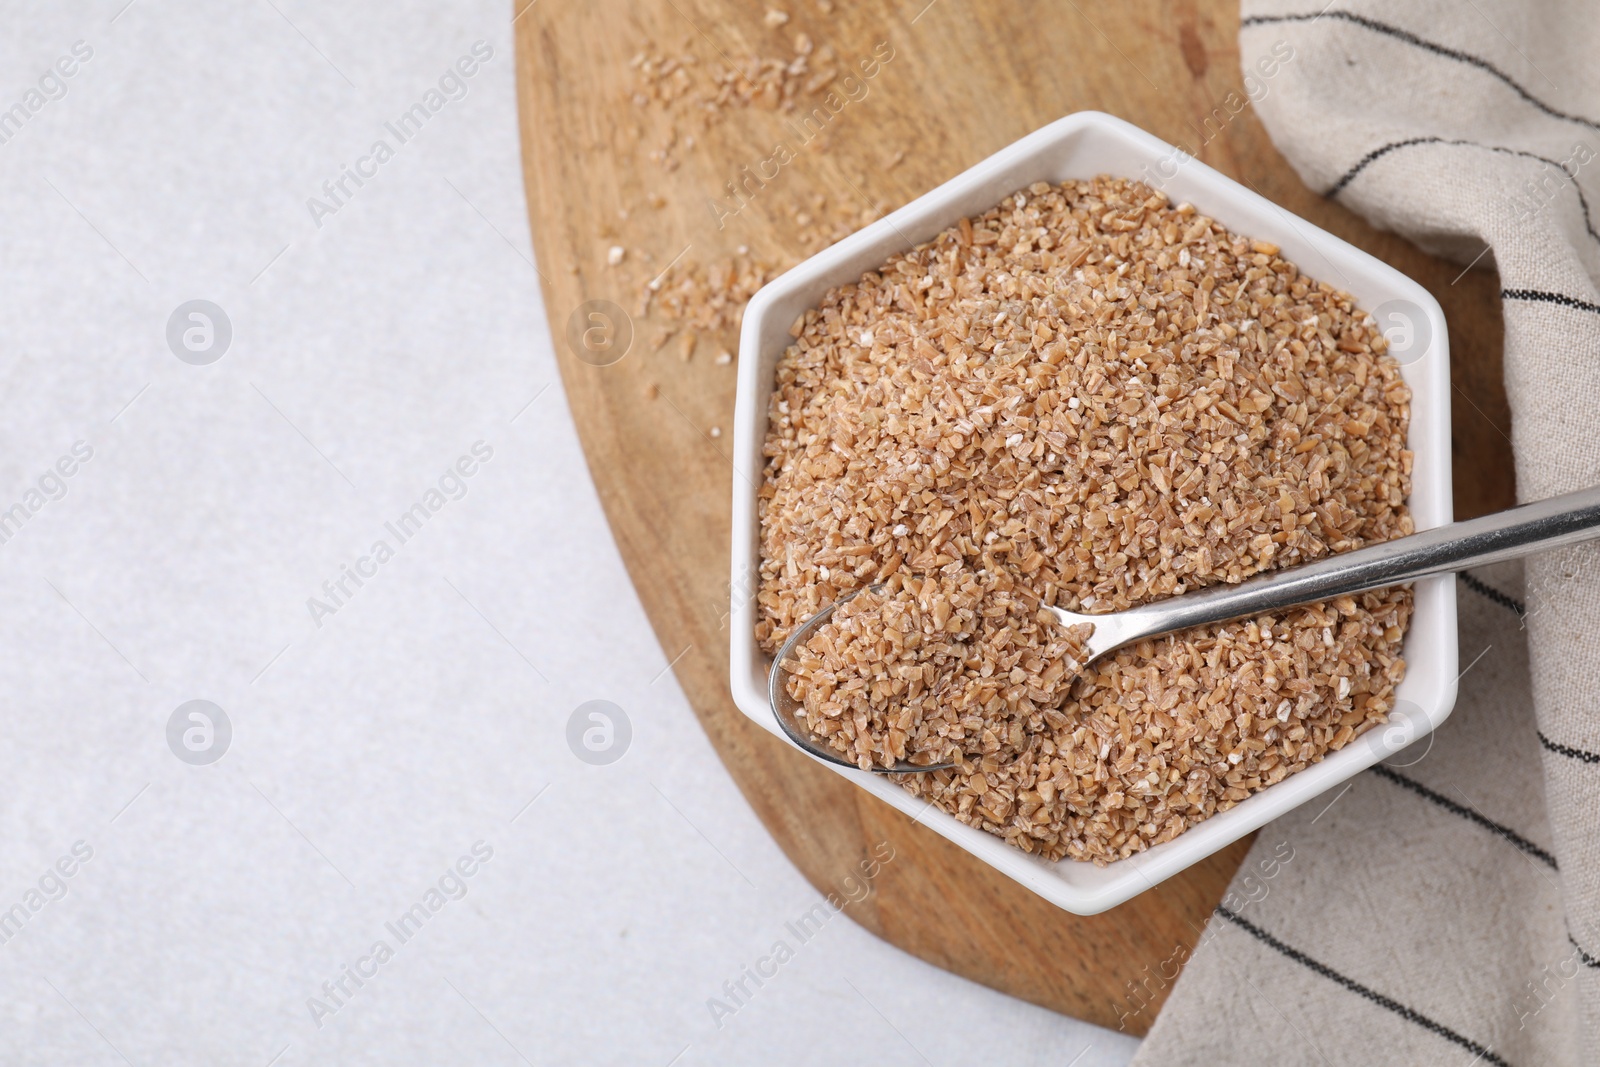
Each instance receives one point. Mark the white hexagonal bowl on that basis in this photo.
(1084, 145)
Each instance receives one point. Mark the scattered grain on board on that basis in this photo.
(702, 96)
(707, 298)
(1086, 397)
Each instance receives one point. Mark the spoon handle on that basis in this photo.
(1554, 523)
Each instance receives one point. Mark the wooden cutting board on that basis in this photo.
(651, 178)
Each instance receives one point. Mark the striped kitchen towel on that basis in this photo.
(1444, 908)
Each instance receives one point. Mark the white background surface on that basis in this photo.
(372, 752)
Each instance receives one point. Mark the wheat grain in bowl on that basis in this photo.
(1087, 397)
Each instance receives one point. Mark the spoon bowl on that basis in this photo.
(786, 709)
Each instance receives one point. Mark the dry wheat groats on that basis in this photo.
(1090, 398)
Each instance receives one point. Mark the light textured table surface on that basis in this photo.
(376, 743)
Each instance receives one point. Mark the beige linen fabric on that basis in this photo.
(1445, 908)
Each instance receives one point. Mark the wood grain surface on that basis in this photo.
(965, 79)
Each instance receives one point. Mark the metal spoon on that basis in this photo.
(1554, 523)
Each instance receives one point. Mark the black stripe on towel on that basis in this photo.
(1568, 751)
(1427, 46)
(1375, 154)
(1510, 835)
(1542, 296)
(1484, 589)
(1483, 1052)
(1588, 960)
(1378, 153)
